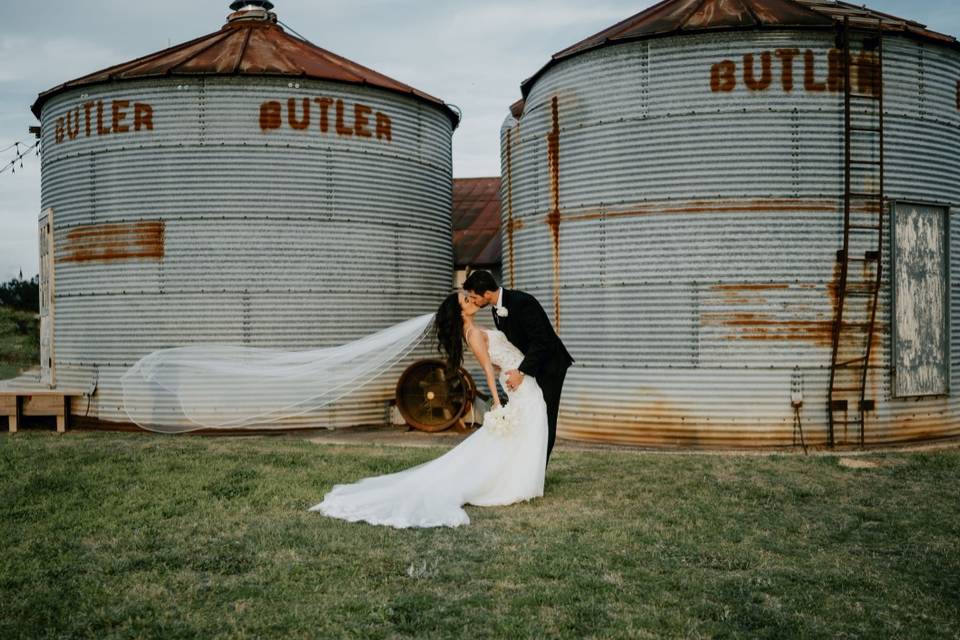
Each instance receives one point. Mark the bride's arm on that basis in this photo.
(477, 340)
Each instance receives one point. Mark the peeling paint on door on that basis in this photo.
(920, 321)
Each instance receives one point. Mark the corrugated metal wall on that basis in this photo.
(209, 229)
(684, 239)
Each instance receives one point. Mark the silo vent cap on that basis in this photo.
(255, 10)
(246, 5)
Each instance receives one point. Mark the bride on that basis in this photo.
(501, 463)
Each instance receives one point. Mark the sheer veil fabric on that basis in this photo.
(230, 387)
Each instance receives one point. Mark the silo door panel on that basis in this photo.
(920, 301)
(48, 373)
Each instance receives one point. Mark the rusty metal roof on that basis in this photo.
(250, 43)
(476, 222)
(673, 17)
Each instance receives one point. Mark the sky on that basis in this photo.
(471, 53)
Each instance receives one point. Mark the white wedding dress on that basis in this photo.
(488, 468)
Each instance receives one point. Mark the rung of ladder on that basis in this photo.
(868, 129)
(861, 194)
(864, 96)
(865, 227)
(868, 256)
(857, 389)
(866, 163)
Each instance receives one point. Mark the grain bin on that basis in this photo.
(740, 215)
(245, 187)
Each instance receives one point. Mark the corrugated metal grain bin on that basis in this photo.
(678, 191)
(245, 187)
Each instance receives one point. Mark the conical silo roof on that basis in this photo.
(251, 43)
(677, 17)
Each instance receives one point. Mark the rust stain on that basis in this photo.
(510, 222)
(750, 205)
(517, 224)
(868, 73)
(721, 11)
(833, 287)
(553, 218)
(750, 287)
(758, 326)
(116, 241)
(820, 333)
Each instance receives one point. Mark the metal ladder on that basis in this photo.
(860, 260)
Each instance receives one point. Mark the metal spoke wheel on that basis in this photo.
(432, 400)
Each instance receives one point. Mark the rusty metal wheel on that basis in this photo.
(431, 400)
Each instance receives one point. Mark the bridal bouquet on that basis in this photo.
(498, 421)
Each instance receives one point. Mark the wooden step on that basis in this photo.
(17, 404)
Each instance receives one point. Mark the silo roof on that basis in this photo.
(673, 17)
(251, 43)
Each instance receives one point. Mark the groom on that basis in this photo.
(521, 318)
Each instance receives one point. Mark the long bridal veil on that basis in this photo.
(228, 387)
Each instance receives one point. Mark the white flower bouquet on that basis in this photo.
(498, 420)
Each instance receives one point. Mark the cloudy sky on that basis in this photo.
(472, 53)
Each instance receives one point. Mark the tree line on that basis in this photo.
(21, 294)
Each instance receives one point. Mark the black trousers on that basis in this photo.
(551, 383)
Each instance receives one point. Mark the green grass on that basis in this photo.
(19, 341)
(147, 536)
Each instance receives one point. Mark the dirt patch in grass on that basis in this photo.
(869, 463)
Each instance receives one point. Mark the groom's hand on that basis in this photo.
(514, 378)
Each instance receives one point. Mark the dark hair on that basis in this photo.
(480, 282)
(448, 325)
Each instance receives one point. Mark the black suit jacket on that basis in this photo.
(528, 328)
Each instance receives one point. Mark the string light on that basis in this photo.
(19, 157)
(15, 144)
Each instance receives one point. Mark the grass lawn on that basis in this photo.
(149, 536)
(19, 341)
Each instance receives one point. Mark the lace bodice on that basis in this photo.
(502, 352)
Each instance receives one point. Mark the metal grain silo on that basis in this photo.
(723, 226)
(244, 187)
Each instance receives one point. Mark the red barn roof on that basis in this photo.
(476, 222)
